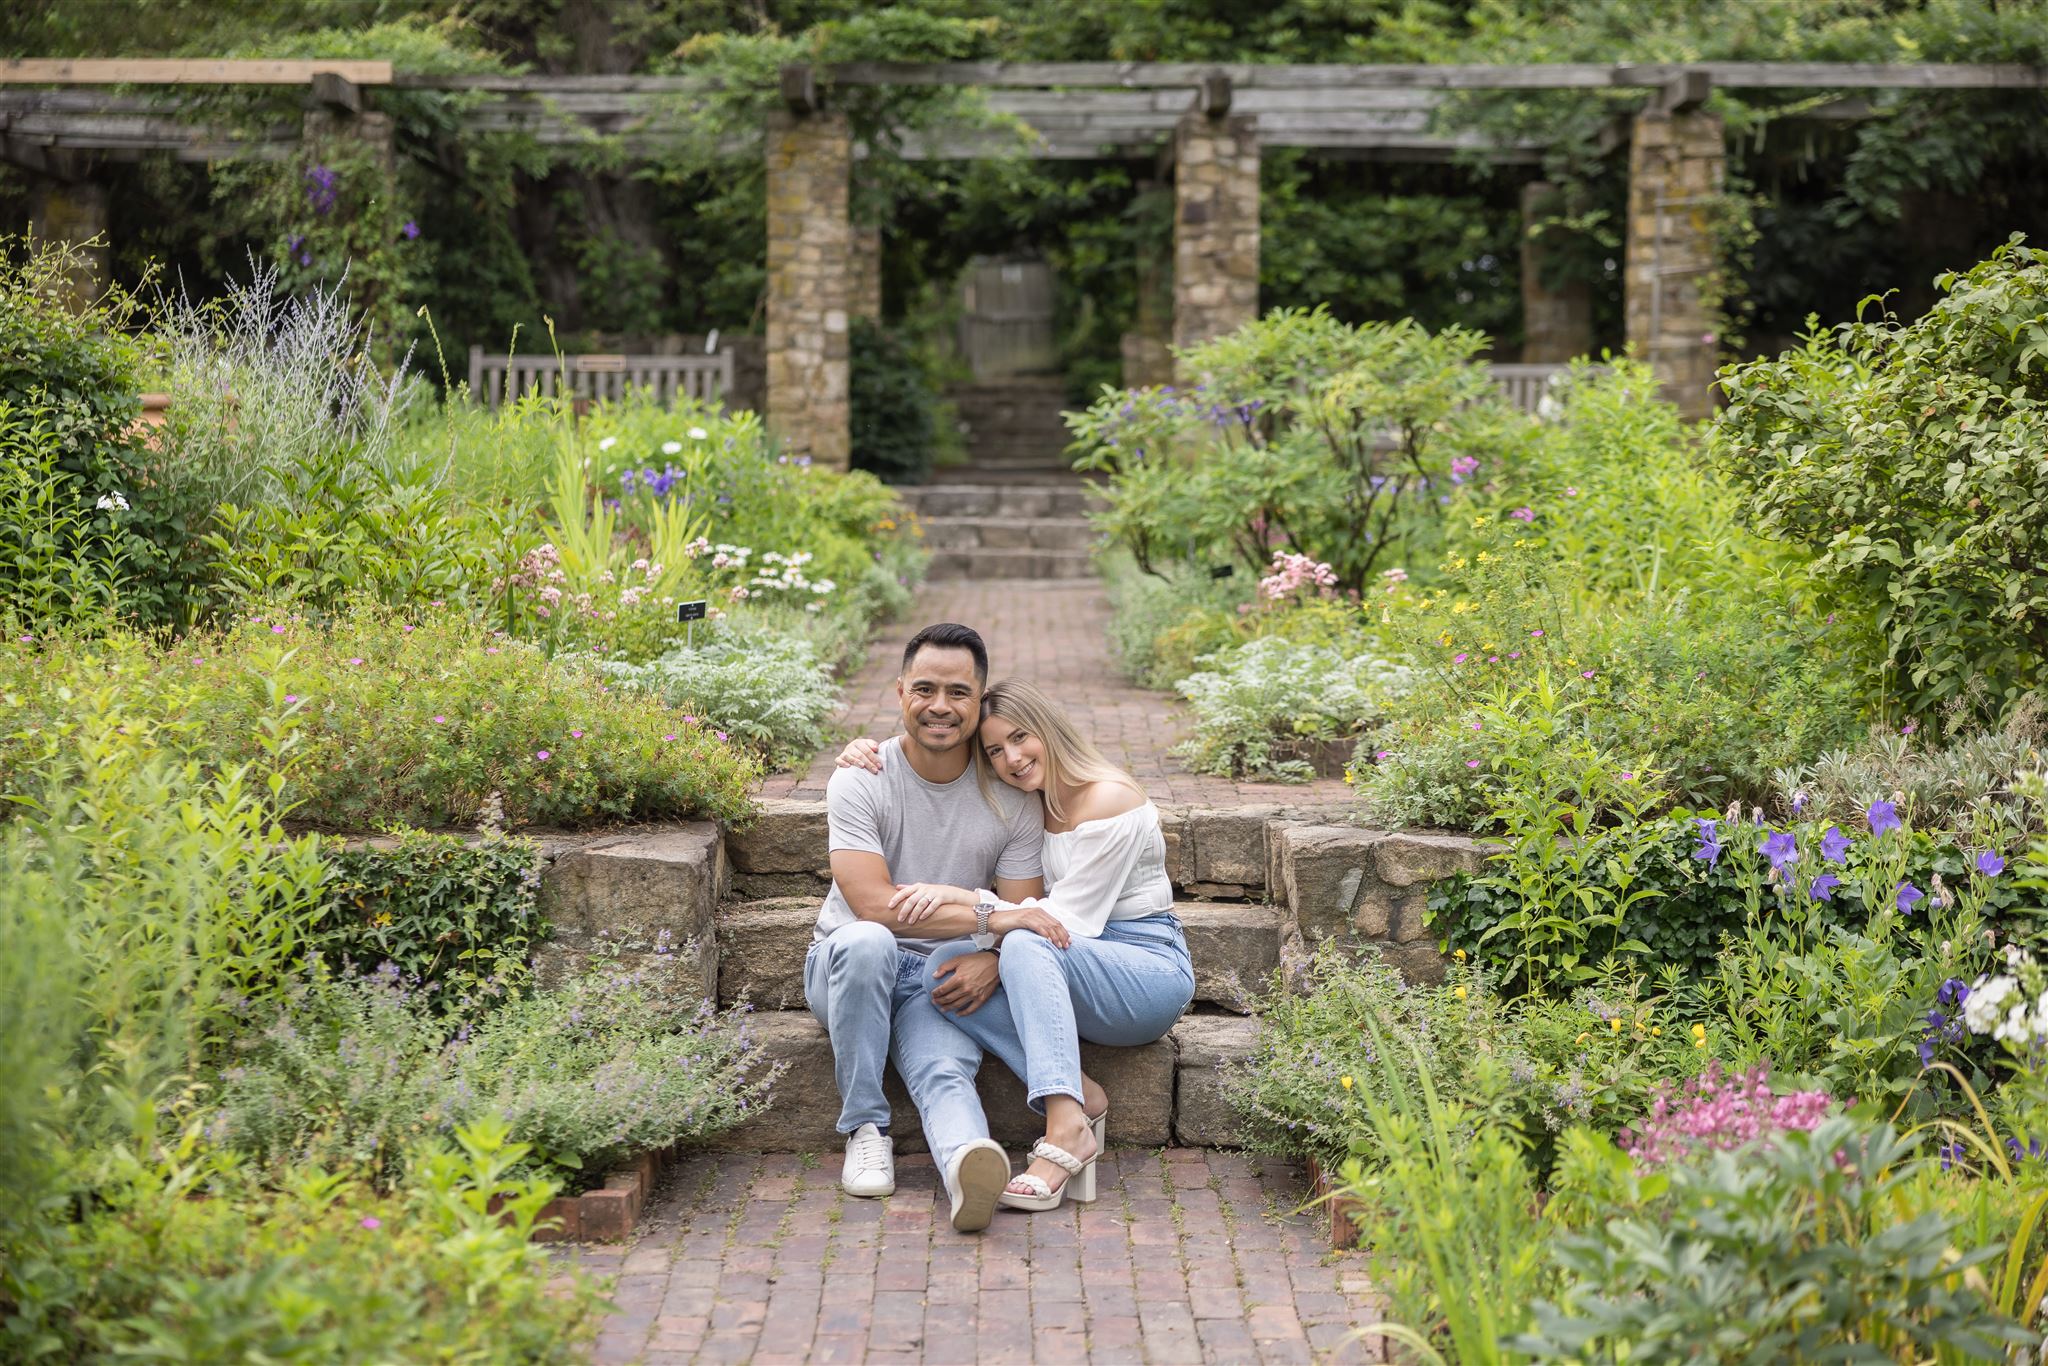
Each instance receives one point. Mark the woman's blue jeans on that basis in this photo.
(1126, 988)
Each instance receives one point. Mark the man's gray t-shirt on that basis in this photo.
(928, 832)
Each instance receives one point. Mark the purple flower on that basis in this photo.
(1954, 992)
(1834, 846)
(320, 191)
(371, 1221)
(1781, 848)
(1798, 802)
(1523, 514)
(1990, 864)
(410, 231)
(1709, 851)
(542, 755)
(1883, 816)
(1823, 888)
(1907, 895)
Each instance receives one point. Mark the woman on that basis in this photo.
(1099, 957)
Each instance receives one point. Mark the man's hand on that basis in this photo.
(966, 982)
(918, 900)
(1030, 920)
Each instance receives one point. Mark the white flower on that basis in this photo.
(112, 502)
(671, 448)
(608, 443)
(699, 434)
(1981, 1011)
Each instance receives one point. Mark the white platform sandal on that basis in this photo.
(1079, 1185)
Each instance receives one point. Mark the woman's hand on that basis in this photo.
(918, 900)
(860, 752)
(1033, 921)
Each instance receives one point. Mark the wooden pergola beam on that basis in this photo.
(1449, 76)
(181, 71)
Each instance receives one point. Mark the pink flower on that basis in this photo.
(1382, 753)
(440, 720)
(355, 661)
(199, 659)
(668, 737)
(1523, 514)
(1476, 726)
(1471, 763)
(1571, 493)
(575, 735)
(721, 734)
(1537, 632)
(1514, 654)
(1493, 659)
(372, 1222)
(1459, 658)
(490, 649)
(689, 720)
(543, 754)
(291, 697)
(1627, 777)
(1585, 673)
(277, 630)
(436, 602)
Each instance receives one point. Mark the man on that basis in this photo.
(923, 818)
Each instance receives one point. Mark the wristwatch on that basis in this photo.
(984, 938)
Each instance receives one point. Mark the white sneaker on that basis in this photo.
(870, 1169)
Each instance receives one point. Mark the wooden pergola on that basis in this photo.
(1209, 123)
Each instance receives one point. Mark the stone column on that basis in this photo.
(1557, 324)
(864, 294)
(1676, 165)
(1147, 354)
(810, 284)
(74, 211)
(1215, 226)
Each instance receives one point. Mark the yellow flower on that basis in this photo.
(1584, 1037)
(1699, 1031)
(1614, 1025)
(1485, 558)
(1344, 1082)
(1478, 522)
(1459, 993)
(381, 919)
(1458, 954)
(1655, 1032)
(1458, 563)
(1461, 607)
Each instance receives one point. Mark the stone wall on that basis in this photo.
(1677, 163)
(1215, 226)
(810, 284)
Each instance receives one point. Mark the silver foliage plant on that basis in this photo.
(264, 381)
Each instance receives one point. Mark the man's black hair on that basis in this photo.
(948, 635)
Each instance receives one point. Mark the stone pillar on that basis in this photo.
(1557, 324)
(1215, 226)
(864, 293)
(74, 211)
(810, 284)
(1676, 166)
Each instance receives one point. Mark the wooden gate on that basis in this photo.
(1006, 318)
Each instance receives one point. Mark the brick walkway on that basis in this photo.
(1056, 635)
(1189, 1256)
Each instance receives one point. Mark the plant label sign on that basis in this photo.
(690, 611)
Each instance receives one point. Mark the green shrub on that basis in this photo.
(357, 1070)
(1161, 623)
(1328, 439)
(1801, 1249)
(380, 717)
(895, 405)
(1906, 456)
(448, 913)
(56, 564)
(185, 1257)
(1257, 705)
(769, 690)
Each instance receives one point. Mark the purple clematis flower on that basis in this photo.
(1823, 888)
(1883, 816)
(1990, 864)
(1834, 845)
(1907, 895)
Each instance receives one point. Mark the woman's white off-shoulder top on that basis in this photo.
(1104, 870)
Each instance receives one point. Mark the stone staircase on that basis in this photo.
(725, 916)
(995, 524)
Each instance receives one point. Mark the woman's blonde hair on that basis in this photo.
(1070, 757)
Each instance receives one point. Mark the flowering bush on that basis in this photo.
(1717, 1111)
(769, 690)
(356, 1070)
(1256, 705)
(384, 716)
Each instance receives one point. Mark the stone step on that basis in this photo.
(1168, 1092)
(761, 944)
(998, 499)
(1010, 533)
(984, 562)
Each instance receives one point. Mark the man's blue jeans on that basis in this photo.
(871, 997)
(1126, 988)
